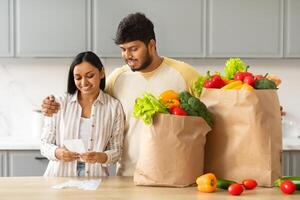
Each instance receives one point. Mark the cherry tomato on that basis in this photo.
(258, 77)
(235, 189)
(288, 187)
(178, 111)
(249, 184)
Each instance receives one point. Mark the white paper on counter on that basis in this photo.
(75, 145)
(84, 185)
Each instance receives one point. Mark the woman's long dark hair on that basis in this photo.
(89, 57)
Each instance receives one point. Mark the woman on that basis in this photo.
(86, 113)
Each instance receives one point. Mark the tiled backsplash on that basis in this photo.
(25, 82)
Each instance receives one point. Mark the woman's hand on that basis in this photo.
(66, 155)
(94, 157)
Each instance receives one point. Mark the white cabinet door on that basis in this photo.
(245, 28)
(291, 161)
(26, 163)
(3, 163)
(51, 28)
(178, 25)
(6, 29)
(292, 28)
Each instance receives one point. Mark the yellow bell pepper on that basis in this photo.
(247, 87)
(207, 182)
(237, 84)
(226, 81)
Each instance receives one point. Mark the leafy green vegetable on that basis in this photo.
(232, 66)
(194, 107)
(198, 85)
(147, 106)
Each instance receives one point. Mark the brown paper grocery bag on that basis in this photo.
(171, 151)
(246, 140)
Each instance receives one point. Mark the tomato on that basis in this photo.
(288, 187)
(178, 111)
(258, 77)
(239, 76)
(249, 79)
(249, 184)
(235, 189)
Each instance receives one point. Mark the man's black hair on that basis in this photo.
(135, 26)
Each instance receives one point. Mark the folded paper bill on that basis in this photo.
(75, 145)
(84, 185)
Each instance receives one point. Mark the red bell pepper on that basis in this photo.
(214, 81)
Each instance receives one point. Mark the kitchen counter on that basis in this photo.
(291, 144)
(27, 143)
(19, 143)
(31, 188)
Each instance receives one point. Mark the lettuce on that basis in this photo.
(144, 108)
(198, 85)
(232, 66)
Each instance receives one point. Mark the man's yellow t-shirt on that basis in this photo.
(126, 86)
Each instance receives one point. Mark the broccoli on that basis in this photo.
(194, 107)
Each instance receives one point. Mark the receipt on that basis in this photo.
(75, 145)
(84, 185)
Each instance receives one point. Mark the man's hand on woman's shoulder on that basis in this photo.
(50, 106)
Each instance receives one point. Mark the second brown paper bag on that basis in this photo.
(246, 140)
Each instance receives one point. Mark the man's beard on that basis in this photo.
(145, 64)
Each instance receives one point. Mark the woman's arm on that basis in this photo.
(115, 144)
(48, 139)
(49, 143)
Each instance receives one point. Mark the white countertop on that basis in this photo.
(19, 143)
(291, 143)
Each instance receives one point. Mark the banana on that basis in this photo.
(233, 85)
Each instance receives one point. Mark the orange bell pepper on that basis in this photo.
(172, 103)
(207, 182)
(168, 94)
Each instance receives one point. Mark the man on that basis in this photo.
(144, 71)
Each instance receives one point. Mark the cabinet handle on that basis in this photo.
(40, 158)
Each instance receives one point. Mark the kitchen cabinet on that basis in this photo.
(291, 163)
(35, 163)
(292, 28)
(3, 164)
(22, 163)
(6, 29)
(244, 28)
(186, 29)
(31, 163)
(51, 28)
(179, 25)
